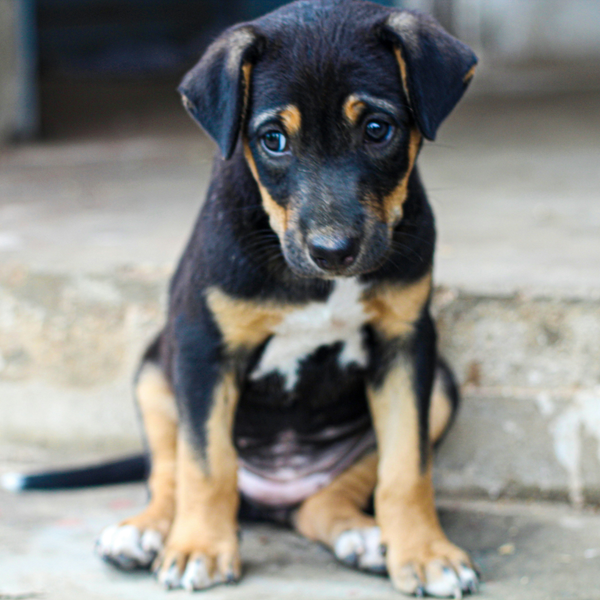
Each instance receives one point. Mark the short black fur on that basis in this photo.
(334, 48)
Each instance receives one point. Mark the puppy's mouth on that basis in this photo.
(331, 256)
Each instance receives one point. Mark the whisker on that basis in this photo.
(399, 248)
(416, 237)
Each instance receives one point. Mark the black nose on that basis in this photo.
(331, 253)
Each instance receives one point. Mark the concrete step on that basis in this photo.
(530, 419)
(528, 367)
(90, 230)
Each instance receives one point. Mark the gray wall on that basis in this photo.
(522, 30)
(18, 70)
(8, 68)
(525, 46)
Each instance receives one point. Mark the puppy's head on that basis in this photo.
(329, 102)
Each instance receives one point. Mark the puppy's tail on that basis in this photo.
(123, 470)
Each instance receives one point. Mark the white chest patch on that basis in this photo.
(302, 331)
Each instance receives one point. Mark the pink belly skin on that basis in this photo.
(290, 484)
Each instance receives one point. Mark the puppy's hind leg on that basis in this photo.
(135, 542)
(335, 517)
(444, 402)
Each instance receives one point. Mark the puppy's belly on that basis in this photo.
(285, 472)
(291, 443)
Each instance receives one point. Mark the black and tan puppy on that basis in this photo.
(298, 364)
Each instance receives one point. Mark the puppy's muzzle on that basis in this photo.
(333, 253)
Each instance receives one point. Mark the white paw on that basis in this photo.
(443, 581)
(200, 572)
(170, 578)
(469, 580)
(361, 548)
(197, 576)
(127, 547)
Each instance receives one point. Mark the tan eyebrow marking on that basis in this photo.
(355, 104)
(353, 108)
(292, 119)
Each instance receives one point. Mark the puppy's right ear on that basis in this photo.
(215, 92)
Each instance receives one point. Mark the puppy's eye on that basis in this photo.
(274, 142)
(377, 131)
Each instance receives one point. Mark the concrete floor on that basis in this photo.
(525, 552)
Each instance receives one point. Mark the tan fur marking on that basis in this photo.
(246, 74)
(394, 411)
(402, 485)
(339, 506)
(244, 324)
(404, 498)
(154, 392)
(292, 119)
(278, 217)
(393, 203)
(159, 413)
(470, 74)
(403, 71)
(353, 108)
(395, 309)
(440, 411)
(221, 455)
(207, 498)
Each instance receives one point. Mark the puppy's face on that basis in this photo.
(331, 142)
(331, 101)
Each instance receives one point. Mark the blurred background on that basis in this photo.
(102, 174)
(58, 56)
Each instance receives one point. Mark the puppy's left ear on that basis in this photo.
(215, 92)
(436, 68)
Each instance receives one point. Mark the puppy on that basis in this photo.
(297, 369)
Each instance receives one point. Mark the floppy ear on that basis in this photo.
(215, 91)
(436, 68)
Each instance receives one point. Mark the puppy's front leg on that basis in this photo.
(420, 559)
(202, 547)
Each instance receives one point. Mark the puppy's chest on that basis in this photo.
(337, 322)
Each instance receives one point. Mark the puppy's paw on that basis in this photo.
(128, 547)
(197, 569)
(437, 569)
(362, 549)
